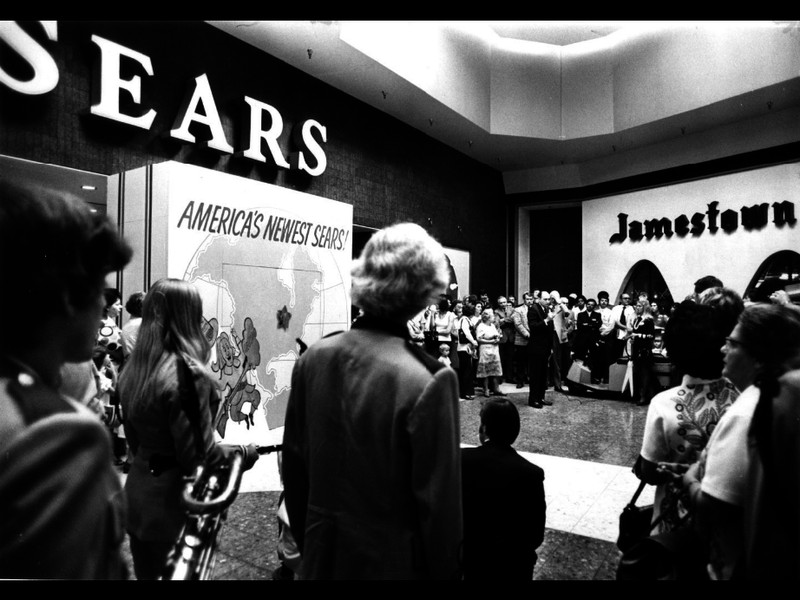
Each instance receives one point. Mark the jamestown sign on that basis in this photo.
(752, 217)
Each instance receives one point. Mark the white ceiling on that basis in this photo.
(557, 33)
(317, 48)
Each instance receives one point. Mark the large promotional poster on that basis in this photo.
(273, 268)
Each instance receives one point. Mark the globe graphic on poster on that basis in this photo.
(262, 304)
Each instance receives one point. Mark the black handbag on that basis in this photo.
(431, 341)
(678, 554)
(462, 337)
(635, 521)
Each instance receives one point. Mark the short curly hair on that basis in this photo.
(693, 338)
(771, 334)
(134, 304)
(401, 270)
(726, 300)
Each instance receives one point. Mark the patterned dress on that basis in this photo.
(488, 354)
(679, 423)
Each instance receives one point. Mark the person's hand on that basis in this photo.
(250, 455)
(691, 483)
(676, 470)
(779, 297)
(691, 475)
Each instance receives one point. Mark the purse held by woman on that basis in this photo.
(634, 521)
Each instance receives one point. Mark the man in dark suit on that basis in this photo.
(540, 346)
(503, 498)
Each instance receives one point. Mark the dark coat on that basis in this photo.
(61, 500)
(541, 330)
(171, 430)
(504, 513)
(587, 332)
(371, 458)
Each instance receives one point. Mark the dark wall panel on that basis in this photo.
(556, 250)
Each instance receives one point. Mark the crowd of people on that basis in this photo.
(376, 483)
(536, 341)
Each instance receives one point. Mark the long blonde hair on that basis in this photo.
(172, 313)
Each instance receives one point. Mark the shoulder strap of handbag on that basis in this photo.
(637, 493)
(660, 518)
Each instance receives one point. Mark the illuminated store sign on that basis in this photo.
(750, 217)
(199, 106)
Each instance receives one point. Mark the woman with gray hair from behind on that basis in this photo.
(371, 446)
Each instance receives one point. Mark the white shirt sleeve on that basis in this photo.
(727, 458)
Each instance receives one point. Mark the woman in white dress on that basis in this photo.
(489, 365)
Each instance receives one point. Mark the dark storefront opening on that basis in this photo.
(92, 187)
(645, 278)
(779, 271)
(555, 250)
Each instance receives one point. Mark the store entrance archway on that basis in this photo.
(782, 268)
(645, 278)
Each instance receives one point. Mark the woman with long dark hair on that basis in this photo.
(169, 401)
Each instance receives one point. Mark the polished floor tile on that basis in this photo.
(586, 447)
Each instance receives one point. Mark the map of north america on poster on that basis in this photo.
(274, 278)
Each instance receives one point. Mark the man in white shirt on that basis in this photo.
(580, 305)
(623, 316)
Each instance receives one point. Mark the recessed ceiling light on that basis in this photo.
(88, 187)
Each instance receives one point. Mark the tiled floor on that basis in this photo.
(586, 447)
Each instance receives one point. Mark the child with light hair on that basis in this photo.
(444, 354)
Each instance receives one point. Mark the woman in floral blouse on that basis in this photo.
(680, 420)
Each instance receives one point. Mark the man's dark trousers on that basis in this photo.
(537, 372)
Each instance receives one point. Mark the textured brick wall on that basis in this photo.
(388, 171)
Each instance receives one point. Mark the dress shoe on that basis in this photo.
(547, 402)
(535, 404)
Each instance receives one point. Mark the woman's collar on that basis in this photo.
(382, 324)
